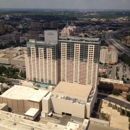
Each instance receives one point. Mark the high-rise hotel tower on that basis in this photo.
(69, 59)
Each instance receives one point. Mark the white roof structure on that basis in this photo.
(24, 93)
(38, 95)
(71, 126)
(32, 112)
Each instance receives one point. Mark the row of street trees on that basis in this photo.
(11, 72)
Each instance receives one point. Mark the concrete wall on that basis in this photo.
(46, 105)
(20, 106)
(18, 62)
(5, 60)
(66, 106)
(90, 105)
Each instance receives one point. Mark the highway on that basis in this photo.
(113, 100)
(110, 39)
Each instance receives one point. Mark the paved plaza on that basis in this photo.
(116, 120)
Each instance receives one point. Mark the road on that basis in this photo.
(14, 81)
(110, 39)
(113, 72)
(116, 101)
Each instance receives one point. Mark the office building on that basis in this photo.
(70, 30)
(46, 25)
(69, 59)
(2, 27)
(34, 24)
(108, 55)
(54, 24)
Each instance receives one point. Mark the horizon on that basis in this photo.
(62, 9)
(67, 4)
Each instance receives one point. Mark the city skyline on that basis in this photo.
(66, 4)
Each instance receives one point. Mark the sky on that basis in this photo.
(66, 4)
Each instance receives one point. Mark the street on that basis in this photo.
(116, 101)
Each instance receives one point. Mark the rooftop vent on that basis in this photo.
(14, 123)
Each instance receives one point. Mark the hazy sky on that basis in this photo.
(66, 4)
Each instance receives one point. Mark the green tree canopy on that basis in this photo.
(128, 98)
(116, 92)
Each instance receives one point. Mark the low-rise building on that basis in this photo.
(110, 84)
(68, 96)
(13, 56)
(20, 99)
(18, 61)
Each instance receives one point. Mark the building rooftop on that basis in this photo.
(38, 95)
(72, 90)
(79, 38)
(20, 57)
(11, 121)
(26, 93)
(111, 81)
(2, 105)
(32, 112)
(96, 126)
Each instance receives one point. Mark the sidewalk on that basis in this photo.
(116, 97)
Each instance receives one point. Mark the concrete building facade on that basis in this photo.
(69, 59)
(66, 97)
(108, 55)
(34, 24)
(20, 99)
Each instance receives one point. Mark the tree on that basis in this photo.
(115, 92)
(38, 86)
(123, 112)
(2, 80)
(2, 69)
(128, 98)
(23, 74)
(104, 76)
(128, 113)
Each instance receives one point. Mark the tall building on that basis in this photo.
(54, 24)
(41, 59)
(46, 25)
(2, 27)
(70, 30)
(69, 59)
(108, 55)
(34, 24)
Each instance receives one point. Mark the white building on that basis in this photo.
(68, 96)
(108, 55)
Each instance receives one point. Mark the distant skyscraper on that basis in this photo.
(2, 27)
(70, 59)
(34, 24)
(108, 55)
(46, 25)
(70, 30)
(54, 24)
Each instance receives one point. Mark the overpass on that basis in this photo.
(110, 39)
